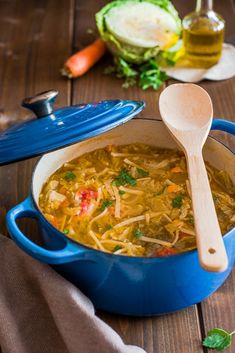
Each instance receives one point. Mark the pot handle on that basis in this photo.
(223, 125)
(70, 252)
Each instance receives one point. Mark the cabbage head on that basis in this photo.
(138, 30)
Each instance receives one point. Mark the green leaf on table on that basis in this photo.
(151, 75)
(109, 70)
(218, 339)
(148, 75)
(126, 71)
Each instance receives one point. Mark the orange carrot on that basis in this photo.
(62, 190)
(182, 234)
(176, 170)
(79, 63)
(53, 220)
(108, 148)
(173, 188)
(165, 252)
(65, 203)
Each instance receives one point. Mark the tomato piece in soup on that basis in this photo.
(85, 197)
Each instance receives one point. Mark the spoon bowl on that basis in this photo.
(188, 107)
(196, 102)
(187, 111)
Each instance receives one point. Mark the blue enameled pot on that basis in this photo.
(122, 284)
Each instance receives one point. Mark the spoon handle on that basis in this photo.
(212, 253)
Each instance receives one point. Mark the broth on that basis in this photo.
(131, 200)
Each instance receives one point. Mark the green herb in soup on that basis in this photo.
(131, 200)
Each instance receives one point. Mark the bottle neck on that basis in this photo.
(204, 5)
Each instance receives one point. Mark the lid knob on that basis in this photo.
(42, 103)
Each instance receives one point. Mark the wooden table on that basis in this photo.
(35, 39)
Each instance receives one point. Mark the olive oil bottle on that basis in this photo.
(203, 35)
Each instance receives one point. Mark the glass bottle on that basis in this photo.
(203, 35)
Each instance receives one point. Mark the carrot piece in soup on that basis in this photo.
(176, 170)
(165, 252)
(182, 234)
(173, 188)
(108, 148)
(53, 220)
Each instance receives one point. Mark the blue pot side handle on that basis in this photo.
(223, 125)
(70, 252)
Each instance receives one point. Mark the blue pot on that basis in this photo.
(122, 284)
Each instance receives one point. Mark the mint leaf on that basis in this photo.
(215, 198)
(217, 339)
(147, 75)
(151, 75)
(109, 226)
(157, 193)
(69, 176)
(191, 219)
(170, 62)
(138, 233)
(126, 71)
(117, 247)
(124, 178)
(109, 70)
(121, 192)
(177, 202)
(105, 204)
(142, 172)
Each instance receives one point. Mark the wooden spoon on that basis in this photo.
(187, 111)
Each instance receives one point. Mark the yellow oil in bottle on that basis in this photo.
(203, 36)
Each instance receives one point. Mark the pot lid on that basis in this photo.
(51, 130)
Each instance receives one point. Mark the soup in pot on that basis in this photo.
(131, 200)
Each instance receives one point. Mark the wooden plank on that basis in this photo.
(219, 309)
(222, 95)
(33, 46)
(172, 333)
(34, 42)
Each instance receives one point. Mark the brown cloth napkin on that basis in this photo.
(41, 312)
